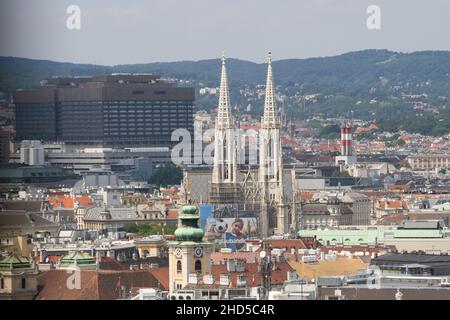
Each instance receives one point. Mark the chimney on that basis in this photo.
(231, 265)
(193, 278)
(224, 279)
(292, 275)
(346, 141)
(240, 265)
(242, 280)
(208, 279)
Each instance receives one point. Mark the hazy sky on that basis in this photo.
(139, 31)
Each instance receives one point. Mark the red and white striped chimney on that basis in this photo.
(346, 141)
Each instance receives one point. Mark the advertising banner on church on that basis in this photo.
(231, 232)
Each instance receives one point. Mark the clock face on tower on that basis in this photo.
(178, 252)
(198, 252)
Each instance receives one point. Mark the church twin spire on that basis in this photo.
(225, 147)
(269, 119)
(224, 119)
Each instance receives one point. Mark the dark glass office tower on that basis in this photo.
(114, 110)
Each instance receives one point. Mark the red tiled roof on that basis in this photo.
(94, 285)
(397, 204)
(394, 218)
(279, 275)
(287, 244)
(172, 214)
(68, 202)
(306, 195)
(250, 127)
(162, 275)
(221, 257)
(366, 129)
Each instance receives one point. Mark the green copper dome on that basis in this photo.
(189, 230)
(14, 261)
(189, 212)
(79, 258)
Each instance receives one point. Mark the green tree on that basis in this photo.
(170, 229)
(166, 175)
(131, 228)
(338, 174)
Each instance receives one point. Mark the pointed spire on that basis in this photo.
(269, 116)
(224, 110)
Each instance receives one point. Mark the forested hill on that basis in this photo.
(360, 69)
(369, 83)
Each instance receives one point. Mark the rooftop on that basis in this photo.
(340, 266)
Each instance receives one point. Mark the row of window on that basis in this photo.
(23, 283)
(197, 266)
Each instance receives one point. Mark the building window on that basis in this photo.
(2, 283)
(179, 268)
(198, 266)
(24, 283)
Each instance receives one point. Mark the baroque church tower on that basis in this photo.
(189, 255)
(274, 216)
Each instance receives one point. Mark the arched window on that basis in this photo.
(179, 268)
(24, 283)
(198, 266)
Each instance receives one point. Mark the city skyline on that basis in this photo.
(141, 32)
(253, 178)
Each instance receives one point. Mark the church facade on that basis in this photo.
(268, 188)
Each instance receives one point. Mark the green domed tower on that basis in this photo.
(189, 230)
(78, 259)
(18, 277)
(188, 254)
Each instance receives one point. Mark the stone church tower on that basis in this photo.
(224, 186)
(189, 254)
(274, 216)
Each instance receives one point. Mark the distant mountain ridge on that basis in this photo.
(364, 65)
(365, 84)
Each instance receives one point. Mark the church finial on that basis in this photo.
(269, 116)
(223, 113)
(223, 57)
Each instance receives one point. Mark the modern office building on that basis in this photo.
(106, 159)
(110, 110)
(4, 146)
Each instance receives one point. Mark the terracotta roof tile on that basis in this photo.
(94, 285)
